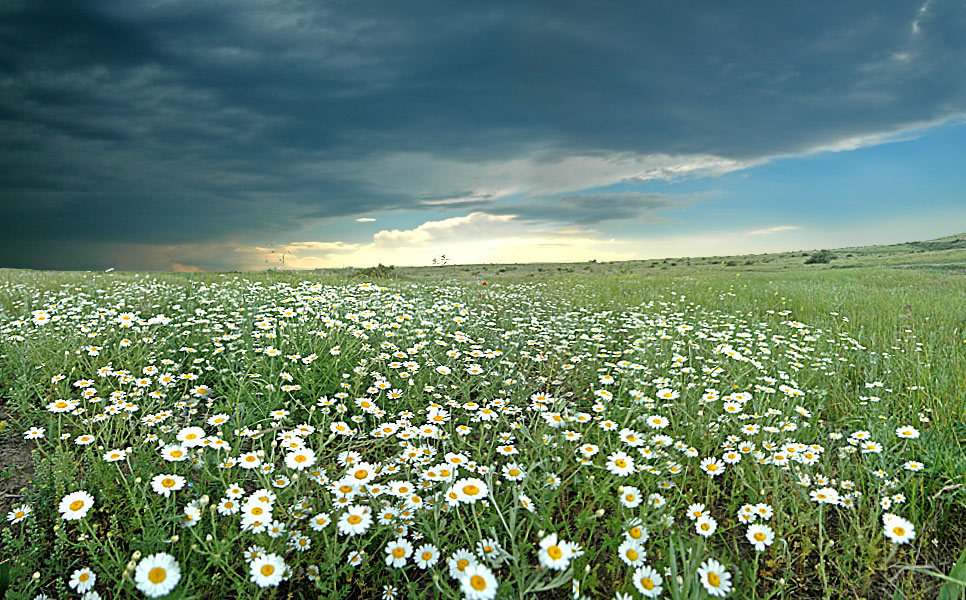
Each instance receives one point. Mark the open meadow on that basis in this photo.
(762, 429)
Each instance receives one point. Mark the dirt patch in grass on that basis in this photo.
(16, 464)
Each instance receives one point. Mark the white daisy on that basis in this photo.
(267, 570)
(715, 578)
(75, 506)
(157, 575)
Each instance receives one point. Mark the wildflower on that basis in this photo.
(469, 490)
(907, 432)
(354, 521)
(300, 459)
(459, 562)
(696, 511)
(620, 464)
(82, 580)
(648, 582)
(397, 551)
(705, 526)
(760, 535)
(165, 484)
(114, 455)
(712, 466)
(157, 575)
(426, 556)
(174, 453)
(267, 570)
(488, 548)
(34, 433)
(764, 511)
(75, 506)
(632, 553)
(715, 578)
(898, 530)
(478, 583)
(825, 495)
(191, 436)
(19, 513)
(631, 497)
(554, 555)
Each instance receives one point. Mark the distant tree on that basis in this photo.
(820, 258)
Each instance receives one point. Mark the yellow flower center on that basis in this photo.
(398, 553)
(478, 582)
(257, 510)
(713, 579)
(900, 531)
(157, 575)
(361, 474)
(76, 504)
(636, 533)
(427, 555)
(84, 577)
(301, 458)
(555, 552)
(190, 436)
(760, 537)
(632, 554)
(179, 453)
(267, 570)
(620, 463)
(19, 514)
(471, 490)
(647, 583)
(355, 520)
(461, 564)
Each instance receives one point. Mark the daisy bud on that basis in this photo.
(137, 480)
(174, 538)
(208, 538)
(131, 565)
(204, 500)
(136, 555)
(600, 512)
(331, 437)
(35, 576)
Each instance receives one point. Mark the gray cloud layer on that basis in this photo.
(185, 121)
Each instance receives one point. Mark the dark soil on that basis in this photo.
(16, 464)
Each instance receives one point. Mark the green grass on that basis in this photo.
(829, 332)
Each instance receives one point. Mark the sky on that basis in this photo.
(209, 135)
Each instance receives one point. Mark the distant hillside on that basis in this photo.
(946, 253)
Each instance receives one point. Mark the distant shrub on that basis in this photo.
(378, 272)
(820, 257)
(731, 263)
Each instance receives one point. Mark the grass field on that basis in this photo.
(745, 426)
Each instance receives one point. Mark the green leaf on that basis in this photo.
(951, 590)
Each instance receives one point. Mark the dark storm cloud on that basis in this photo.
(171, 122)
(590, 209)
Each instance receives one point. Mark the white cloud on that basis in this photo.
(365, 220)
(539, 173)
(475, 225)
(776, 229)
